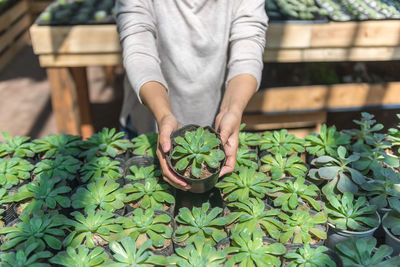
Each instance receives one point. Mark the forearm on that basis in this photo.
(238, 93)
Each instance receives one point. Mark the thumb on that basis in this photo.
(224, 133)
(164, 138)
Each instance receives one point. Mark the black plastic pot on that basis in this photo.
(197, 185)
(138, 161)
(10, 214)
(332, 254)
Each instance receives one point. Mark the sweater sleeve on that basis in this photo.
(247, 39)
(138, 33)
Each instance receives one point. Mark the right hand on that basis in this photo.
(166, 126)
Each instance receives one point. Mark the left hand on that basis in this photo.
(228, 126)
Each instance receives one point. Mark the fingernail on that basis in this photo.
(165, 148)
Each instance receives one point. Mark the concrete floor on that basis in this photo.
(25, 105)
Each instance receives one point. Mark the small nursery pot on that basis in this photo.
(391, 239)
(380, 233)
(197, 185)
(10, 214)
(138, 161)
(331, 253)
(336, 235)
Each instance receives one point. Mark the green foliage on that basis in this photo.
(43, 229)
(143, 172)
(301, 225)
(288, 194)
(152, 194)
(247, 139)
(103, 194)
(326, 142)
(347, 213)
(81, 256)
(309, 257)
(394, 135)
(93, 229)
(245, 158)
(147, 225)
(17, 147)
(105, 143)
(280, 142)
(145, 144)
(384, 190)
(203, 222)
(12, 170)
(197, 148)
(392, 222)
(368, 126)
(199, 254)
(337, 172)
(100, 167)
(24, 258)
(249, 250)
(126, 254)
(65, 167)
(252, 215)
(361, 252)
(280, 167)
(243, 185)
(57, 145)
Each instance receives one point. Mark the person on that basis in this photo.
(190, 62)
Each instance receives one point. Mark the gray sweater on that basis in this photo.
(193, 48)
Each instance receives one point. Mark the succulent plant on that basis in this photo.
(198, 148)
(392, 222)
(143, 172)
(326, 142)
(146, 225)
(394, 135)
(57, 144)
(12, 170)
(310, 257)
(247, 139)
(252, 215)
(92, 230)
(199, 253)
(203, 222)
(280, 142)
(104, 194)
(17, 147)
(337, 172)
(347, 213)
(301, 225)
(245, 158)
(363, 252)
(105, 143)
(145, 144)
(289, 193)
(65, 167)
(368, 126)
(249, 250)
(24, 257)
(152, 194)
(81, 256)
(243, 185)
(280, 167)
(99, 168)
(43, 229)
(126, 254)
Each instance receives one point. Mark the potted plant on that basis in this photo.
(99, 168)
(287, 194)
(337, 173)
(303, 226)
(280, 167)
(95, 228)
(13, 170)
(145, 145)
(104, 194)
(312, 257)
(17, 147)
(394, 136)
(249, 250)
(25, 257)
(204, 222)
(246, 158)
(57, 144)
(81, 256)
(248, 140)
(66, 167)
(280, 142)
(350, 217)
(363, 252)
(197, 156)
(391, 226)
(150, 193)
(199, 253)
(143, 225)
(126, 254)
(140, 173)
(245, 184)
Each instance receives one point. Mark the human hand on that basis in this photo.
(228, 126)
(166, 126)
